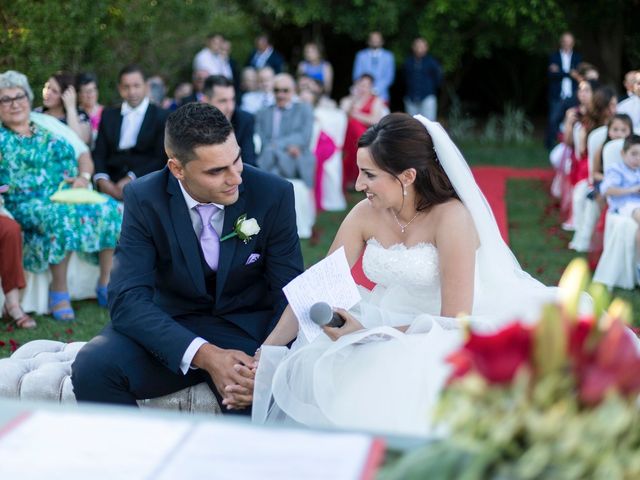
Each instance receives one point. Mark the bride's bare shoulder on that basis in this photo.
(453, 215)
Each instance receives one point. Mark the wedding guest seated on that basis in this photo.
(248, 81)
(621, 186)
(316, 67)
(315, 87)
(364, 109)
(87, 86)
(11, 272)
(182, 91)
(285, 133)
(198, 78)
(631, 106)
(59, 99)
(130, 140)
(263, 97)
(628, 82)
(220, 92)
(619, 126)
(157, 91)
(587, 71)
(34, 163)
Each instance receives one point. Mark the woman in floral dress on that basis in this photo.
(33, 163)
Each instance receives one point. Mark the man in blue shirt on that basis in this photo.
(377, 62)
(423, 75)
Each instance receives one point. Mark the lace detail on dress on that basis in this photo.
(415, 266)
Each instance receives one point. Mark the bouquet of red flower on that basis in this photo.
(558, 399)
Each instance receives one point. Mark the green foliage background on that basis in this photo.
(39, 37)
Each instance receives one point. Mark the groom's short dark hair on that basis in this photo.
(194, 125)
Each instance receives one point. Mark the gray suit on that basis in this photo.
(296, 126)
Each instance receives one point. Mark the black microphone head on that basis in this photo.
(321, 313)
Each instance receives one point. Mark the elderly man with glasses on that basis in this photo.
(285, 133)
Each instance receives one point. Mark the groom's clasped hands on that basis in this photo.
(232, 372)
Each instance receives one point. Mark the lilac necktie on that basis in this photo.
(209, 239)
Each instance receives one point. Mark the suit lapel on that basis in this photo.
(228, 247)
(118, 129)
(184, 232)
(146, 127)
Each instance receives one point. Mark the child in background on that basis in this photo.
(619, 126)
(621, 186)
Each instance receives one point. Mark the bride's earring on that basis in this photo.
(404, 190)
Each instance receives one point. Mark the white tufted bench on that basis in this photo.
(41, 370)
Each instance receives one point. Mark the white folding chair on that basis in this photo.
(616, 265)
(589, 211)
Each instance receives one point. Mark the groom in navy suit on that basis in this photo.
(190, 301)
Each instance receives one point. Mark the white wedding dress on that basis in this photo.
(381, 379)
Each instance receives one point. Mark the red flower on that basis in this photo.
(2, 344)
(613, 366)
(13, 344)
(69, 331)
(496, 357)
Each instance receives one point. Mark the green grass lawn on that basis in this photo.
(536, 239)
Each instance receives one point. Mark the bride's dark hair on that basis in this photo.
(398, 142)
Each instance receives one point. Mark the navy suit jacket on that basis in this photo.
(146, 156)
(555, 78)
(242, 123)
(157, 283)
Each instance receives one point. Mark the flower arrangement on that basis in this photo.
(558, 399)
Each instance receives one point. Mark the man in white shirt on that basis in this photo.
(210, 59)
(130, 140)
(631, 106)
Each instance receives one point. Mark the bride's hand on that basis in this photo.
(350, 325)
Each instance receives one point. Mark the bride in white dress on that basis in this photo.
(433, 249)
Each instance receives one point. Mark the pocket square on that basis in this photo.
(252, 258)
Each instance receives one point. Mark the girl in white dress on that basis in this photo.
(432, 246)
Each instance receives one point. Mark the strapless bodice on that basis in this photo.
(399, 265)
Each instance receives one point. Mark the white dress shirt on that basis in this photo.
(131, 122)
(213, 64)
(132, 119)
(631, 106)
(566, 87)
(217, 222)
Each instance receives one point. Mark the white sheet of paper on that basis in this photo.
(233, 451)
(327, 281)
(70, 445)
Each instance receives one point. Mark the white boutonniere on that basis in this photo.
(244, 229)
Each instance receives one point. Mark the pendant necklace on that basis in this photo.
(404, 227)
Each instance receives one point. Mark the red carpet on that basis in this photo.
(493, 183)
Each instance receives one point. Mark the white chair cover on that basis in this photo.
(305, 207)
(616, 265)
(333, 122)
(586, 211)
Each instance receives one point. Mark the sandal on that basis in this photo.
(60, 306)
(22, 321)
(101, 294)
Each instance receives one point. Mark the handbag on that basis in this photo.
(77, 195)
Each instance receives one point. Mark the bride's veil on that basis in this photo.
(503, 289)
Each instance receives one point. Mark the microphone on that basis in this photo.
(322, 315)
